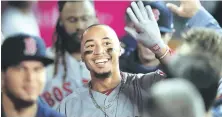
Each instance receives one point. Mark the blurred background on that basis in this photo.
(108, 12)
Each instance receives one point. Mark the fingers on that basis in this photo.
(150, 13)
(143, 10)
(140, 12)
(173, 8)
(137, 11)
(132, 16)
(131, 31)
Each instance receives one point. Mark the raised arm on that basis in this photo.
(146, 30)
(197, 14)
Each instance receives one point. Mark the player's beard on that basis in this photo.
(103, 75)
(71, 42)
(19, 103)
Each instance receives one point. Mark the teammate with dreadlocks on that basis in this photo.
(68, 73)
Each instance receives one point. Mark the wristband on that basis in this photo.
(165, 54)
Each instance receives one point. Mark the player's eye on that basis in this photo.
(107, 43)
(38, 69)
(90, 46)
(72, 19)
(20, 68)
(85, 18)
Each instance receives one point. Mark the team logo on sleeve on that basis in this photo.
(160, 72)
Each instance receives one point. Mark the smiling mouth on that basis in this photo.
(30, 90)
(101, 61)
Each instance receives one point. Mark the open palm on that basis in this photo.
(147, 28)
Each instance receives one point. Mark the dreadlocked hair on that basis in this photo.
(59, 46)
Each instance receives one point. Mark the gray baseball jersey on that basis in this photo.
(56, 88)
(131, 101)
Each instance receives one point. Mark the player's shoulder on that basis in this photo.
(76, 96)
(50, 68)
(127, 75)
(133, 76)
(72, 101)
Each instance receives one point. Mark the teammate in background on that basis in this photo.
(18, 17)
(111, 92)
(68, 72)
(203, 70)
(175, 98)
(206, 45)
(206, 41)
(23, 77)
(199, 17)
(192, 9)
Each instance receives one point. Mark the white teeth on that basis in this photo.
(101, 61)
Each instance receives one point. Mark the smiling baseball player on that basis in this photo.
(112, 93)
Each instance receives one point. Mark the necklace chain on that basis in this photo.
(97, 105)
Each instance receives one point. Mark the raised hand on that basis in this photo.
(146, 28)
(187, 8)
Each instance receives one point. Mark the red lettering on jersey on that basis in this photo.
(85, 81)
(66, 87)
(57, 93)
(48, 98)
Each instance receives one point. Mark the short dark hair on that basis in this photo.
(62, 3)
(93, 25)
(202, 70)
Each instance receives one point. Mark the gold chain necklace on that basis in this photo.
(97, 105)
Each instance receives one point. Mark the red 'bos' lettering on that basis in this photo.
(48, 98)
(57, 93)
(66, 87)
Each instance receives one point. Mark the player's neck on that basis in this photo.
(11, 110)
(102, 85)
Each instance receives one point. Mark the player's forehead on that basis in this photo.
(78, 9)
(29, 64)
(98, 33)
